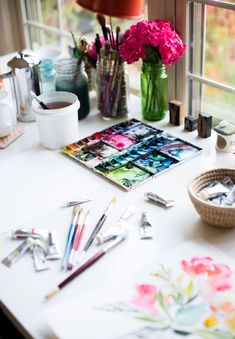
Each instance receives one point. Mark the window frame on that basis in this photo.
(179, 75)
(177, 12)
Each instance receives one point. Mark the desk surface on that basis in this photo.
(22, 290)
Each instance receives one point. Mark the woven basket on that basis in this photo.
(210, 213)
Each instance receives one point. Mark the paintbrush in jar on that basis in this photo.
(118, 30)
(101, 20)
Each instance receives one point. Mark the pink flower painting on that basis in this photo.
(146, 297)
(218, 276)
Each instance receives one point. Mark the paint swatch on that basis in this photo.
(131, 152)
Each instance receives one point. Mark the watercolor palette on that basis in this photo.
(131, 152)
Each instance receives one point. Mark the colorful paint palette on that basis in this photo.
(131, 152)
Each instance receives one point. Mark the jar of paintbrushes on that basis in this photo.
(112, 78)
(112, 86)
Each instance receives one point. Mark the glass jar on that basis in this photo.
(112, 89)
(46, 76)
(154, 91)
(71, 77)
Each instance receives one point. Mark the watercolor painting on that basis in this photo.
(142, 131)
(119, 140)
(188, 293)
(124, 126)
(101, 149)
(179, 150)
(130, 152)
(128, 176)
(200, 300)
(155, 162)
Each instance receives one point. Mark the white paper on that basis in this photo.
(36, 182)
(84, 317)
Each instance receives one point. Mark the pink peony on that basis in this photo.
(146, 297)
(218, 276)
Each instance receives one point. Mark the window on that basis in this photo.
(211, 63)
(50, 23)
(204, 79)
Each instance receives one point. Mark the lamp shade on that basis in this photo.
(126, 9)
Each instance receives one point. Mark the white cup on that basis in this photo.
(57, 127)
(7, 114)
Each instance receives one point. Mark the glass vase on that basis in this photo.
(154, 91)
(112, 89)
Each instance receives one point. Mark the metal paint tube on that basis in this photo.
(120, 228)
(18, 252)
(53, 252)
(39, 250)
(160, 200)
(76, 201)
(35, 233)
(146, 229)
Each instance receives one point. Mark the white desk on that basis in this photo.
(22, 290)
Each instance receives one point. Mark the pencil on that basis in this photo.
(86, 265)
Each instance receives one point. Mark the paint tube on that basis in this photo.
(18, 252)
(120, 228)
(76, 201)
(160, 200)
(35, 233)
(146, 229)
(217, 191)
(39, 251)
(53, 252)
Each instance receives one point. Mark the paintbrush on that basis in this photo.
(72, 228)
(111, 27)
(86, 265)
(101, 20)
(98, 227)
(98, 44)
(118, 30)
(38, 100)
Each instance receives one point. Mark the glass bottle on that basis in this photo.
(112, 89)
(46, 76)
(71, 77)
(154, 91)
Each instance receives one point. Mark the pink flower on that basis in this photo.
(199, 265)
(146, 297)
(218, 275)
(159, 35)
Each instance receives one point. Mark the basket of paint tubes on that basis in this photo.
(213, 196)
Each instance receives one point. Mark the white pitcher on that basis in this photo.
(7, 114)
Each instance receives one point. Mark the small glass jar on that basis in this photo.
(112, 89)
(46, 76)
(71, 77)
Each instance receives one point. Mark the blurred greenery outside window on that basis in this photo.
(49, 23)
(211, 58)
(205, 80)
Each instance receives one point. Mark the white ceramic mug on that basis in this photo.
(7, 114)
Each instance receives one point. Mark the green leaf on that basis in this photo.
(189, 290)
(160, 299)
(151, 319)
(215, 334)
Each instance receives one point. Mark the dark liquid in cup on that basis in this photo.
(58, 104)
